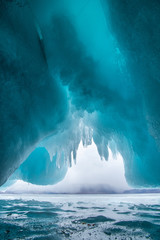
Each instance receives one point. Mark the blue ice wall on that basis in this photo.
(32, 101)
(75, 70)
(39, 169)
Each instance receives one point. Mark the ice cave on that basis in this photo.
(79, 71)
(79, 119)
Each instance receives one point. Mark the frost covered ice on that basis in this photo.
(80, 70)
(76, 217)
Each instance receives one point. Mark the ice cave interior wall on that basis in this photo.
(75, 70)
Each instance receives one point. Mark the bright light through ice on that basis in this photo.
(89, 175)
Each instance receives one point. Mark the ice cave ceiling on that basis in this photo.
(73, 70)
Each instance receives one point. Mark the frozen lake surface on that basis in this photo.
(80, 217)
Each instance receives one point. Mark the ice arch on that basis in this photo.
(63, 63)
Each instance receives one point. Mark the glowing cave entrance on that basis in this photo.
(89, 174)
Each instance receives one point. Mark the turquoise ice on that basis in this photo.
(75, 70)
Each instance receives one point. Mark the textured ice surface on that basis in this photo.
(80, 217)
(73, 70)
(45, 172)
